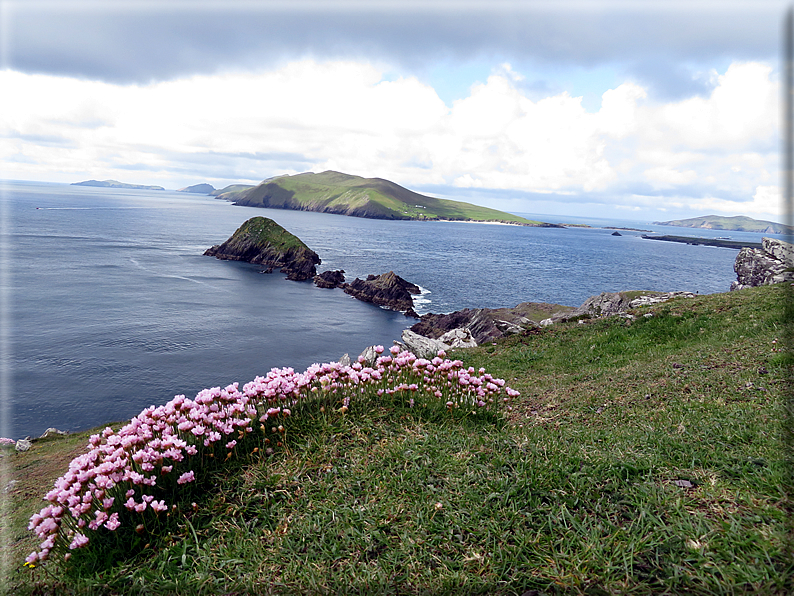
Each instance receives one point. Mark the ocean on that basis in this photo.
(113, 307)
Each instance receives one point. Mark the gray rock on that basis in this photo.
(657, 299)
(53, 432)
(422, 346)
(345, 360)
(458, 338)
(608, 304)
(369, 356)
(772, 263)
(23, 445)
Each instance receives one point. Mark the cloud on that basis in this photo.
(140, 41)
(717, 151)
(766, 200)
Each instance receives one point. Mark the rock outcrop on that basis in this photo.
(388, 290)
(487, 324)
(608, 304)
(772, 263)
(425, 347)
(263, 242)
(472, 327)
(330, 279)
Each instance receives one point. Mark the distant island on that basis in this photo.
(738, 223)
(376, 198)
(116, 184)
(202, 189)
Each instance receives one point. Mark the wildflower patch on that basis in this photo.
(135, 478)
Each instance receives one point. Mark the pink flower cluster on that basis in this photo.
(132, 473)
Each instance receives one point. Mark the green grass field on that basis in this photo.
(643, 457)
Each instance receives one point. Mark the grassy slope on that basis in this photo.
(264, 231)
(738, 223)
(372, 196)
(575, 494)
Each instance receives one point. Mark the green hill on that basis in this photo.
(334, 192)
(738, 223)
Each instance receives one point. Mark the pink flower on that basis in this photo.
(186, 477)
(159, 505)
(113, 523)
(80, 540)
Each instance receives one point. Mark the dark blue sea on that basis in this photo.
(114, 308)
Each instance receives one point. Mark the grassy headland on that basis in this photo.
(334, 192)
(643, 457)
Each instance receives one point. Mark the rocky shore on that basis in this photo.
(472, 327)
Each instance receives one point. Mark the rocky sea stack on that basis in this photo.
(262, 241)
(388, 290)
(330, 279)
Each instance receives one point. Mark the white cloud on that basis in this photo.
(343, 115)
(767, 201)
(743, 106)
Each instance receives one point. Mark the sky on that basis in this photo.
(636, 110)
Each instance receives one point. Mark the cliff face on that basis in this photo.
(262, 241)
(770, 264)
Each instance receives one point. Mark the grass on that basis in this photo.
(643, 457)
(263, 231)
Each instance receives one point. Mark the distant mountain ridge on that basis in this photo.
(737, 223)
(116, 184)
(343, 194)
